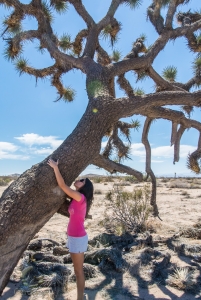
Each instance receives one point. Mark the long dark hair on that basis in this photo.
(87, 190)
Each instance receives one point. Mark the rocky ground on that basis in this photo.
(164, 262)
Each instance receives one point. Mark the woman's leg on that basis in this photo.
(78, 260)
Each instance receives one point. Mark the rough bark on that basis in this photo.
(30, 201)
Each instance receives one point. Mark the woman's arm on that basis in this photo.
(70, 192)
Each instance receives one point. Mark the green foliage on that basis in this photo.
(12, 24)
(97, 179)
(170, 73)
(130, 179)
(139, 92)
(95, 88)
(182, 278)
(116, 55)
(65, 42)
(5, 180)
(11, 52)
(47, 11)
(143, 37)
(59, 5)
(111, 31)
(141, 76)
(69, 94)
(130, 211)
(197, 66)
(133, 3)
(21, 65)
(198, 38)
(135, 124)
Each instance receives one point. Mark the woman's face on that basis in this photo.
(79, 183)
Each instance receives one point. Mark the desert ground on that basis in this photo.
(163, 262)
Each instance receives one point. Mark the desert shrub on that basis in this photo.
(130, 179)
(181, 279)
(175, 184)
(5, 180)
(108, 195)
(123, 183)
(184, 193)
(193, 232)
(98, 192)
(164, 180)
(128, 211)
(109, 179)
(97, 179)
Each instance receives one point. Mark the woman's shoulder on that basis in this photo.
(83, 198)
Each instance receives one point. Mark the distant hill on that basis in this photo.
(92, 175)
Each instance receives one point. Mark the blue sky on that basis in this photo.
(32, 125)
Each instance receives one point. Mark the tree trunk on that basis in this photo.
(29, 202)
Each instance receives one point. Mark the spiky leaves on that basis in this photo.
(133, 3)
(188, 109)
(170, 73)
(116, 148)
(139, 92)
(68, 94)
(21, 65)
(193, 161)
(111, 31)
(47, 11)
(13, 23)
(59, 5)
(125, 128)
(12, 50)
(116, 56)
(197, 67)
(188, 18)
(182, 279)
(65, 42)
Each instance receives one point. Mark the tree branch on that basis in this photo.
(62, 58)
(142, 104)
(174, 133)
(170, 14)
(114, 167)
(149, 171)
(177, 143)
(145, 61)
(161, 82)
(81, 10)
(110, 14)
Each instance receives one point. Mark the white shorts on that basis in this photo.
(77, 244)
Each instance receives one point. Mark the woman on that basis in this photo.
(81, 200)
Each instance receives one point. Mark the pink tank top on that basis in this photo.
(77, 211)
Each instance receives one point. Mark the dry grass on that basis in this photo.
(181, 279)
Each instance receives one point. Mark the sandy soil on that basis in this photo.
(177, 210)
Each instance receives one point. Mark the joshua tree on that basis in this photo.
(32, 199)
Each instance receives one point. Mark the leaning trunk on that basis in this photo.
(30, 201)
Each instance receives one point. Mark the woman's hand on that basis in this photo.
(53, 163)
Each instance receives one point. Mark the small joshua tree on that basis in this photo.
(29, 202)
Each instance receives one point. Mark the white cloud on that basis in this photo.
(31, 139)
(43, 151)
(160, 152)
(8, 151)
